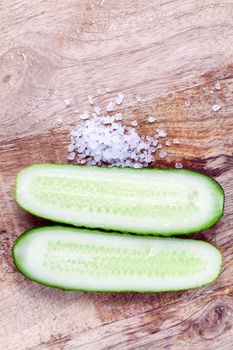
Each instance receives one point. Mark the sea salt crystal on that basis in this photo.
(110, 107)
(163, 154)
(67, 102)
(149, 138)
(168, 143)
(85, 115)
(97, 110)
(137, 165)
(155, 143)
(134, 123)
(59, 120)
(118, 116)
(176, 141)
(151, 120)
(108, 90)
(90, 100)
(216, 107)
(178, 166)
(217, 86)
(161, 133)
(159, 146)
(138, 98)
(76, 111)
(75, 132)
(71, 148)
(71, 156)
(187, 103)
(119, 99)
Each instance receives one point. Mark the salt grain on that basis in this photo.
(71, 148)
(178, 166)
(118, 116)
(217, 86)
(163, 154)
(108, 90)
(67, 102)
(71, 156)
(85, 115)
(134, 123)
(59, 120)
(90, 100)
(110, 107)
(138, 98)
(176, 142)
(187, 103)
(76, 111)
(119, 99)
(161, 133)
(151, 120)
(216, 107)
(97, 110)
(168, 143)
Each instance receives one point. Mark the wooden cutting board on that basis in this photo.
(168, 53)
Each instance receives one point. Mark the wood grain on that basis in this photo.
(165, 51)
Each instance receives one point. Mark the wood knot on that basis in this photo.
(215, 320)
(12, 67)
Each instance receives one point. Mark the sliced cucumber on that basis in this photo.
(145, 201)
(88, 260)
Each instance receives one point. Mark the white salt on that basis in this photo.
(168, 143)
(90, 100)
(163, 154)
(119, 99)
(71, 156)
(108, 90)
(161, 133)
(134, 123)
(118, 116)
(216, 107)
(71, 148)
(67, 102)
(102, 138)
(138, 98)
(97, 110)
(151, 120)
(187, 103)
(110, 107)
(85, 115)
(76, 111)
(217, 86)
(176, 141)
(59, 120)
(178, 166)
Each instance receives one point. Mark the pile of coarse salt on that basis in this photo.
(101, 138)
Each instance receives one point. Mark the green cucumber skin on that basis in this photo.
(167, 233)
(64, 228)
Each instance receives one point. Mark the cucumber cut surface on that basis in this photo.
(143, 201)
(91, 260)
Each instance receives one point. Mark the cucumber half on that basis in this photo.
(143, 201)
(90, 260)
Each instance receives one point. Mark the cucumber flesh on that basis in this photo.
(143, 201)
(88, 260)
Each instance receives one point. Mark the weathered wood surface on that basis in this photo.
(166, 52)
